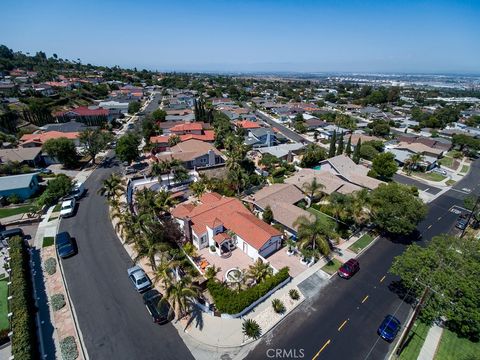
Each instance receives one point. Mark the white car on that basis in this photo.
(139, 278)
(68, 208)
(78, 190)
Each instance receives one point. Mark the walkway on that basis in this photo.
(431, 343)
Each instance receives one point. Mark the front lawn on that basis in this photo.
(323, 218)
(361, 243)
(415, 341)
(446, 161)
(452, 347)
(431, 176)
(450, 182)
(48, 241)
(5, 212)
(465, 169)
(3, 304)
(332, 266)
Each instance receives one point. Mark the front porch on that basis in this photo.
(238, 259)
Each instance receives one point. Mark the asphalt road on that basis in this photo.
(402, 179)
(341, 322)
(292, 135)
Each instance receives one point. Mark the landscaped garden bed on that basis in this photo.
(332, 266)
(361, 243)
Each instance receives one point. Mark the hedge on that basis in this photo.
(229, 301)
(24, 341)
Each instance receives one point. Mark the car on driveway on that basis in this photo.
(159, 309)
(64, 245)
(348, 269)
(68, 208)
(130, 170)
(389, 328)
(5, 235)
(139, 278)
(461, 224)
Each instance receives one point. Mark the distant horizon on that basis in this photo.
(354, 36)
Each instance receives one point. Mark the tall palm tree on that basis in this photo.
(313, 234)
(212, 271)
(313, 189)
(150, 242)
(163, 202)
(112, 186)
(359, 207)
(165, 267)
(259, 271)
(414, 160)
(198, 188)
(180, 174)
(180, 294)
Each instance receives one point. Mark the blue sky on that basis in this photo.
(343, 35)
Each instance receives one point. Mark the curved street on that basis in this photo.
(113, 320)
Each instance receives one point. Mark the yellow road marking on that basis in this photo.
(343, 324)
(319, 351)
(429, 226)
(383, 278)
(364, 299)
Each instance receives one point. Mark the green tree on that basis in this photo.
(149, 129)
(384, 165)
(159, 115)
(395, 209)
(348, 149)
(313, 235)
(112, 187)
(127, 147)
(63, 150)
(267, 215)
(57, 188)
(312, 155)
(180, 294)
(449, 267)
(133, 107)
(251, 329)
(259, 271)
(198, 188)
(95, 141)
(368, 152)
(356, 152)
(340, 146)
(333, 142)
(173, 140)
(313, 189)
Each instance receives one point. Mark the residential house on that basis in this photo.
(83, 113)
(222, 101)
(186, 131)
(225, 224)
(71, 126)
(38, 139)
(194, 154)
(283, 151)
(331, 182)
(28, 156)
(314, 123)
(23, 186)
(261, 137)
(246, 124)
(358, 136)
(115, 108)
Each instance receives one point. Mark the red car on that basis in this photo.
(348, 269)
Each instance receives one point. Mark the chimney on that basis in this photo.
(289, 157)
(269, 138)
(187, 229)
(211, 157)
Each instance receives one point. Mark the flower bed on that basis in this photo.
(232, 302)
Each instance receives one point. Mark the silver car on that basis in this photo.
(139, 278)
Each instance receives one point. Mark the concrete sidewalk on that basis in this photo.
(430, 345)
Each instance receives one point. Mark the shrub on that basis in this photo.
(294, 294)
(22, 305)
(50, 266)
(278, 306)
(4, 336)
(251, 329)
(57, 301)
(232, 302)
(68, 347)
(14, 199)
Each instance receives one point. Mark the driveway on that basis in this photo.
(113, 320)
(406, 180)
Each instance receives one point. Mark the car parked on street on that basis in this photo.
(5, 235)
(64, 245)
(348, 269)
(389, 328)
(78, 190)
(461, 224)
(139, 278)
(68, 208)
(158, 308)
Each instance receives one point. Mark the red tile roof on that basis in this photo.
(246, 124)
(84, 111)
(208, 136)
(234, 216)
(42, 137)
(187, 127)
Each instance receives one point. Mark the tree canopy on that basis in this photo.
(95, 141)
(127, 147)
(63, 150)
(384, 165)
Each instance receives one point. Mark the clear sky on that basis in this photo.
(231, 35)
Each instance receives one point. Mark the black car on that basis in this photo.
(7, 234)
(158, 308)
(64, 244)
(461, 224)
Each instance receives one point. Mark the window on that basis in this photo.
(203, 239)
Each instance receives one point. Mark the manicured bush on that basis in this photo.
(294, 294)
(50, 266)
(22, 305)
(232, 302)
(57, 301)
(68, 347)
(4, 336)
(278, 306)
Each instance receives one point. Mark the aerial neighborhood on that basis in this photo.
(226, 204)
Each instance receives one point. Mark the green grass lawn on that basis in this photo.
(430, 176)
(14, 211)
(361, 243)
(450, 182)
(48, 241)
(452, 347)
(53, 217)
(415, 341)
(332, 266)
(454, 153)
(465, 169)
(3, 304)
(324, 219)
(446, 161)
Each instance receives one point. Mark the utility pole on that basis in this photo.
(470, 216)
(418, 308)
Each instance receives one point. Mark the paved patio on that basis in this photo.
(280, 259)
(238, 260)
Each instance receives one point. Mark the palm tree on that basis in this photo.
(151, 242)
(313, 189)
(180, 174)
(164, 270)
(359, 207)
(212, 271)
(163, 202)
(313, 234)
(112, 186)
(259, 271)
(339, 206)
(180, 294)
(173, 140)
(414, 160)
(251, 329)
(198, 188)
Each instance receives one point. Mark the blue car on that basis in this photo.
(64, 244)
(389, 328)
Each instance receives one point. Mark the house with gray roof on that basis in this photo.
(24, 185)
(281, 151)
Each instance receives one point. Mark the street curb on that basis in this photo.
(368, 246)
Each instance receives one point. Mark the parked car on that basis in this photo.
(389, 328)
(130, 170)
(461, 224)
(64, 245)
(78, 190)
(440, 171)
(68, 208)
(348, 269)
(158, 309)
(139, 278)
(7, 234)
